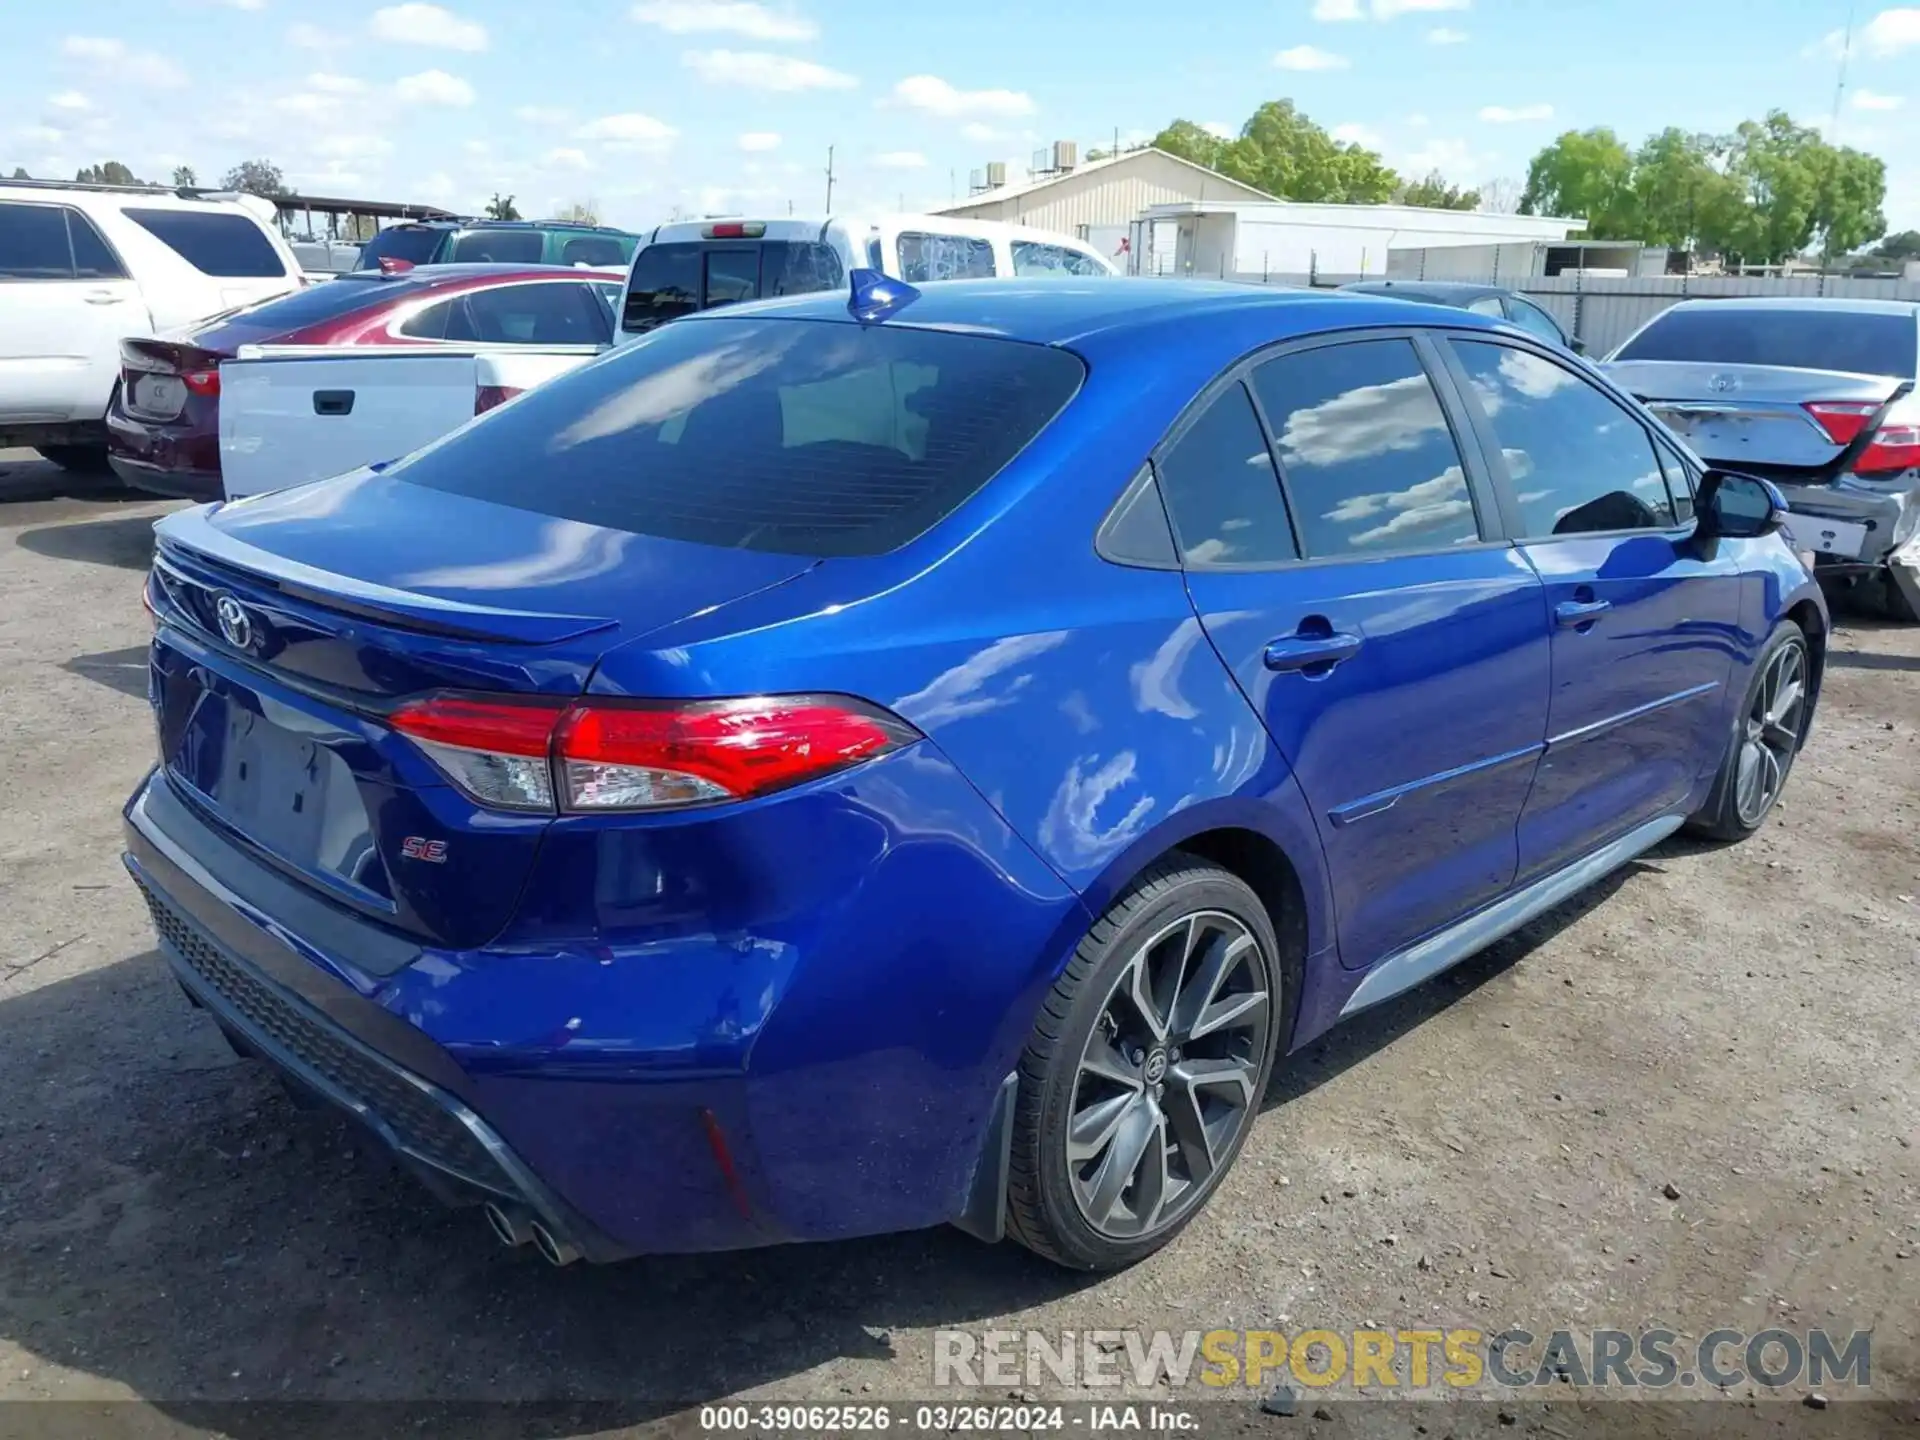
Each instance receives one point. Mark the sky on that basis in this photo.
(645, 108)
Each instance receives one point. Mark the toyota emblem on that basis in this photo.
(234, 623)
(1721, 384)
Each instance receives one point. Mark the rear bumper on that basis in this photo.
(180, 459)
(703, 1126)
(160, 480)
(1889, 515)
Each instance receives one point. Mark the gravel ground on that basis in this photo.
(1687, 1098)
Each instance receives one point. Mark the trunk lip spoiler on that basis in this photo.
(1825, 474)
(188, 534)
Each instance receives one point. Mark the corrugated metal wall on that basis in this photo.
(1111, 195)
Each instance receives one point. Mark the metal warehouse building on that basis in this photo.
(1097, 201)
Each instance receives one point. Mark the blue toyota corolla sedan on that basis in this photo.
(846, 765)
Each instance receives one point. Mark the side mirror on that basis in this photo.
(1737, 507)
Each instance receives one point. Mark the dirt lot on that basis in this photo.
(1736, 1024)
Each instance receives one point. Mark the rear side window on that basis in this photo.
(547, 314)
(53, 242)
(664, 286)
(778, 435)
(1220, 486)
(213, 243)
(1857, 342)
(799, 267)
(596, 250)
(1535, 321)
(498, 247)
(414, 244)
(1579, 463)
(1370, 461)
(925, 256)
(1030, 257)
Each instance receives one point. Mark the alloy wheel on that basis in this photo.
(1771, 734)
(1165, 1085)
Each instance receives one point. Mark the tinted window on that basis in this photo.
(732, 276)
(525, 315)
(1578, 462)
(665, 284)
(799, 267)
(498, 247)
(411, 243)
(1032, 258)
(1220, 486)
(786, 436)
(93, 258)
(1535, 321)
(596, 250)
(431, 323)
(1371, 464)
(1857, 342)
(943, 257)
(213, 243)
(33, 243)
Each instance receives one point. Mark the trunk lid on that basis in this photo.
(293, 623)
(1749, 416)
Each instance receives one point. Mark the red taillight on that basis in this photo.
(203, 382)
(644, 755)
(488, 396)
(735, 230)
(1895, 448)
(1843, 420)
(394, 265)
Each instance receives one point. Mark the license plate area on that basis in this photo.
(1824, 536)
(157, 397)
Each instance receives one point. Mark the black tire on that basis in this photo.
(77, 459)
(1045, 1211)
(1729, 813)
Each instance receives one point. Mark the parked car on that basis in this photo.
(1481, 300)
(699, 264)
(84, 266)
(496, 242)
(164, 425)
(1815, 395)
(843, 765)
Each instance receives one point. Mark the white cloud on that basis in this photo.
(434, 87)
(1893, 31)
(760, 140)
(1418, 121)
(1309, 57)
(1338, 10)
(437, 186)
(758, 70)
(901, 160)
(304, 35)
(1515, 114)
(1363, 135)
(981, 134)
(245, 4)
(307, 104)
(1388, 9)
(937, 97)
(1444, 35)
(542, 114)
(729, 17)
(630, 131)
(567, 158)
(420, 24)
(352, 147)
(335, 84)
(1871, 100)
(113, 58)
(71, 100)
(1219, 130)
(1455, 158)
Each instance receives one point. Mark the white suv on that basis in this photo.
(83, 267)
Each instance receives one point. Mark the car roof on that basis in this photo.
(460, 224)
(1835, 304)
(1072, 311)
(479, 270)
(1446, 292)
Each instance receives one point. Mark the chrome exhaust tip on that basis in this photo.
(510, 1226)
(553, 1249)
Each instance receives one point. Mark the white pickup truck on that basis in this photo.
(294, 413)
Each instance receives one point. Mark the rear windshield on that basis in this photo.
(329, 300)
(213, 243)
(413, 243)
(678, 278)
(498, 247)
(761, 434)
(1855, 342)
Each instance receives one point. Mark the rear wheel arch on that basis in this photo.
(1806, 614)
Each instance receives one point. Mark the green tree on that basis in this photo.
(501, 207)
(20, 173)
(183, 177)
(1284, 153)
(1679, 190)
(112, 172)
(1190, 142)
(1852, 191)
(1436, 194)
(580, 212)
(256, 177)
(1903, 246)
(1585, 174)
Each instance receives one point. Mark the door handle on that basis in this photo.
(1309, 652)
(104, 297)
(333, 402)
(1580, 612)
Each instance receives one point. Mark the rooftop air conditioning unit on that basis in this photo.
(996, 174)
(1066, 154)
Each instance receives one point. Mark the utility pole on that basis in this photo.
(829, 179)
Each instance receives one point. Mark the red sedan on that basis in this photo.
(163, 424)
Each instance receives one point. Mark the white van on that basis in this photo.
(693, 265)
(83, 267)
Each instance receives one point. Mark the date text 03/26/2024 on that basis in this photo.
(945, 1418)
